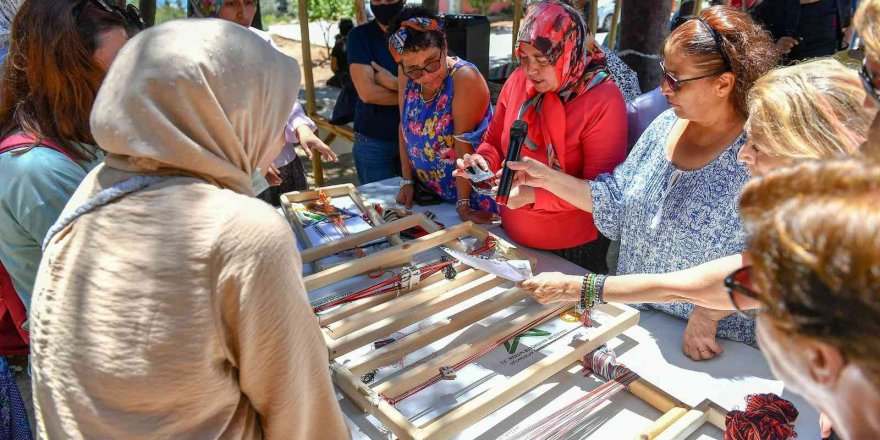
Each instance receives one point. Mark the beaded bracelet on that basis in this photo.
(600, 288)
(583, 302)
(593, 290)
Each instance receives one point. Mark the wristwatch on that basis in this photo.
(404, 182)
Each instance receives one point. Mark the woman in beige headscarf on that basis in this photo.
(170, 302)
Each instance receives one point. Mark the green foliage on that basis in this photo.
(170, 12)
(330, 9)
(482, 6)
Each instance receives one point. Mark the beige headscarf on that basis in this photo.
(205, 98)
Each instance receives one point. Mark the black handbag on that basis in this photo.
(343, 111)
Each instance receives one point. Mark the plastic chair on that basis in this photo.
(641, 112)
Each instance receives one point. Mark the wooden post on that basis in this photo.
(594, 17)
(317, 166)
(615, 21)
(517, 17)
(148, 11)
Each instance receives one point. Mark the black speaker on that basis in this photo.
(468, 38)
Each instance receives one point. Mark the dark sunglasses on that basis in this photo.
(418, 72)
(675, 83)
(131, 14)
(868, 81)
(740, 282)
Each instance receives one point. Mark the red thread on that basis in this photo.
(767, 417)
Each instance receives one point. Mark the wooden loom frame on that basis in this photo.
(288, 199)
(368, 320)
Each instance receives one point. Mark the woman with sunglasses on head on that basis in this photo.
(286, 173)
(809, 111)
(444, 108)
(815, 247)
(46, 144)
(672, 204)
(576, 120)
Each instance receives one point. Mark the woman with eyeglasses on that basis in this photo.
(286, 173)
(444, 108)
(576, 120)
(673, 203)
(815, 247)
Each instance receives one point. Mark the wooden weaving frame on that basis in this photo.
(288, 199)
(368, 320)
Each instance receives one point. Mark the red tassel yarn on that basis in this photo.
(767, 417)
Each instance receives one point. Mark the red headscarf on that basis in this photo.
(559, 33)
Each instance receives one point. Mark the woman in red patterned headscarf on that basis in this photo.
(577, 124)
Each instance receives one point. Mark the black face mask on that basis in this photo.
(385, 13)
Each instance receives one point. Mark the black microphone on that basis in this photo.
(518, 132)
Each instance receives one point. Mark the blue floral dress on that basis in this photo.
(430, 145)
(668, 219)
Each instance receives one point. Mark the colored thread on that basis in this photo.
(767, 417)
(397, 283)
(560, 424)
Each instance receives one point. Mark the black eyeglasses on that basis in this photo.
(868, 81)
(131, 14)
(739, 282)
(418, 72)
(675, 83)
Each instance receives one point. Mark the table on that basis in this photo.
(652, 349)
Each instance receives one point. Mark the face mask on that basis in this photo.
(385, 13)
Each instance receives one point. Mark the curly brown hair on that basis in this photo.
(748, 46)
(815, 249)
(51, 77)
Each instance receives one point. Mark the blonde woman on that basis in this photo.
(813, 110)
(809, 111)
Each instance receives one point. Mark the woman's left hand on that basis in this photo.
(310, 142)
(532, 173)
(551, 287)
(699, 336)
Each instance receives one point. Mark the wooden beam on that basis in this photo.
(496, 397)
(517, 18)
(436, 331)
(339, 130)
(359, 306)
(384, 327)
(381, 258)
(410, 378)
(307, 57)
(594, 17)
(615, 21)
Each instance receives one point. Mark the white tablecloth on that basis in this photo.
(652, 349)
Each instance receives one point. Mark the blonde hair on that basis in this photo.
(867, 22)
(813, 110)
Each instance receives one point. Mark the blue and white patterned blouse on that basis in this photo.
(668, 219)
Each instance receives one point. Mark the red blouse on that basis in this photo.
(595, 144)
